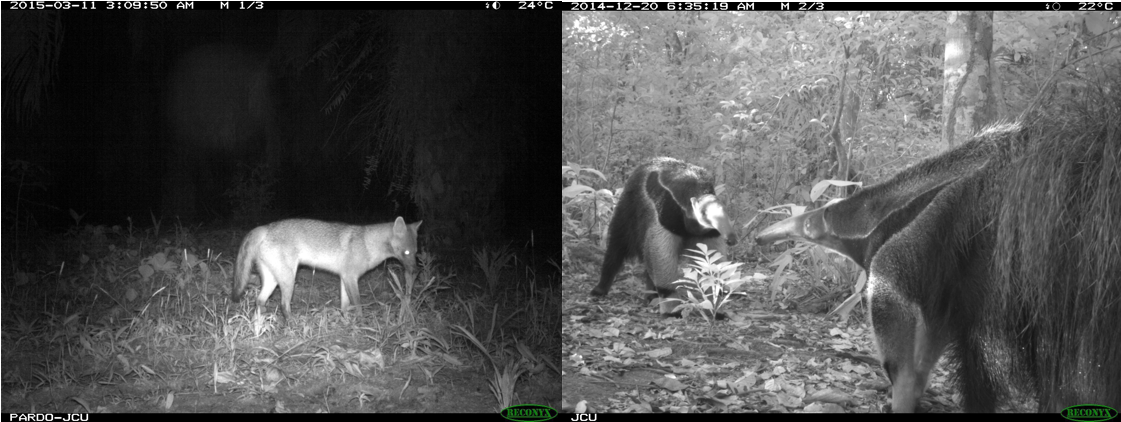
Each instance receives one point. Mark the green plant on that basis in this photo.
(710, 282)
(423, 340)
(413, 294)
(491, 263)
(505, 378)
(583, 204)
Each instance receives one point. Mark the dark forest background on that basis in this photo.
(211, 116)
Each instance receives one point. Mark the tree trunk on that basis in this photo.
(968, 103)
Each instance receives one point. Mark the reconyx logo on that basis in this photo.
(1089, 412)
(528, 413)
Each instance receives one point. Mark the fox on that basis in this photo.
(276, 250)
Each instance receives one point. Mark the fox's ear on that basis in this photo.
(399, 227)
(415, 226)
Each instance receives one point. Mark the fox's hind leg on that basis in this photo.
(271, 275)
(348, 285)
(268, 284)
